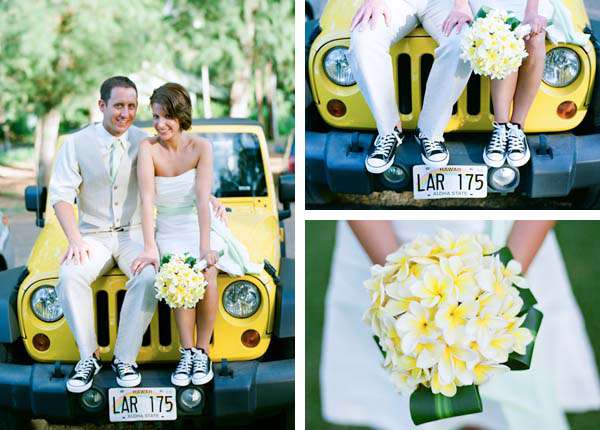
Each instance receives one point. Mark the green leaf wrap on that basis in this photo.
(426, 406)
(533, 320)
(482, 12)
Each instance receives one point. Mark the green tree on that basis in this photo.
(237, 38)
(54, 53)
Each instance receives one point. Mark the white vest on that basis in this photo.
(102, 205)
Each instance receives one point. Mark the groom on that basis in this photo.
(97, 165)
(376, 26)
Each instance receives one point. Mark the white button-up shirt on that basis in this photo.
(66, 178)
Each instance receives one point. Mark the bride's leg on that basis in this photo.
(185, 319)
(206, 310)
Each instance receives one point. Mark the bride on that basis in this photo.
(175, 174)
(356, 390)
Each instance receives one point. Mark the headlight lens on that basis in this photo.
(45, 304)
(241, 299)
(503, 178)
(337, 67)
(561, 68)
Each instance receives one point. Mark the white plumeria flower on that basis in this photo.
(455, 362)
(522, 335)
(462, 274)
(485, 370)
(437, 386)
(512, 272)
(452, 317)
(486, 321)
(416, 326)
(433, 288)
(497, 347)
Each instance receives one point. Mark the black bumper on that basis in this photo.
(248, 388)
(559, 162)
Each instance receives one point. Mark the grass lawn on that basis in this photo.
(580, 244)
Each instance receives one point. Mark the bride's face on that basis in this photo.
(166, 127)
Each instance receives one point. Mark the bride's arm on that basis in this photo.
(145, 173)
(204, 181)
(525, 240)
(377, 238)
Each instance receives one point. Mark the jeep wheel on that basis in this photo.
(9, 419)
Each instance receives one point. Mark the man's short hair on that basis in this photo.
(113, 82)
(176, 103)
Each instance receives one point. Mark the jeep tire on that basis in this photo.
(10, 419)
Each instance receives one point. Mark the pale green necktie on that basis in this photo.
(115, 157)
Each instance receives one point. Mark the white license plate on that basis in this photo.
(449, 182)
(142, 404)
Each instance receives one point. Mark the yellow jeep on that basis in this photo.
(562, 126)
(253, 340)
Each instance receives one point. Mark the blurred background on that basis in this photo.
(236, 57)
(580, 246)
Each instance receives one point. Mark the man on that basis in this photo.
(98, 166)
(379, 24)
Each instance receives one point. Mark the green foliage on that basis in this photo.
(54, 52)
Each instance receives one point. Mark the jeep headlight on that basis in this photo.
(561, 68)
(241, 299)
(45, 304)
(337, 67)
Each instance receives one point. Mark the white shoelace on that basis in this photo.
(185, 362)
(384, 145)
(84, 368)
(498, 139)
(431, 146)
(516, 139)
(200, 362)
(125, 368)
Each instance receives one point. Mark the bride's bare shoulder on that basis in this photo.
(199, 144)
(149, 143)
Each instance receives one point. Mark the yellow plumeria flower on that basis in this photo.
(484, 370)
(433, 288)
(452, 317)
(416, 326)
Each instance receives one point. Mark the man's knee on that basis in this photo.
(73, 274)
(363, 42)
(146, 277)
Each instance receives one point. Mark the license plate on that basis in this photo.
(142, 404)
(449, 182)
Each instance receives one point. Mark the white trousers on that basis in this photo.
(371, 64)
(76, 296)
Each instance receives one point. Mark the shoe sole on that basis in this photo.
(129, 384)
(204, 380)
(435, 163)
(493, 163)
(79, 389)
(180, 383)
(521, 162)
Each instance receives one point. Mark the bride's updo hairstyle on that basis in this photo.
(176, 103)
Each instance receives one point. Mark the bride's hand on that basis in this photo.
(211, 257)
(219, 208)
(149, 257)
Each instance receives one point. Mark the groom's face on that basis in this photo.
(119, 111)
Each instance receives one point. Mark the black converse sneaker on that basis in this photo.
(128, 374)
(183, 373)
(518, 149)
(433, 152)
(494, 153)
(383, 151)
(202, 372)
(82, 375)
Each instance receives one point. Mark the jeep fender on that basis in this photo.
(285, 300)
(9, 285)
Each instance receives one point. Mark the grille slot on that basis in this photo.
(164, 324)
(102, 318)
(404, 84)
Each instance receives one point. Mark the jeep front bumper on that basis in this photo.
(240, 389)
(559, 162)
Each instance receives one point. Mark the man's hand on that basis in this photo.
(371, 11)
(220, 211)
(458, 17)
(536, 21)
(78, 252)
(147, 258)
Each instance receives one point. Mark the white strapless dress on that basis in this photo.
(356, 390)
(177, 229)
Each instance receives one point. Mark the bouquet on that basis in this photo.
(494, 43)
(448, 313)
(180, 282)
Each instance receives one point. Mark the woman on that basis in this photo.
(175, 173)
(356, 390)
(508, 142)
